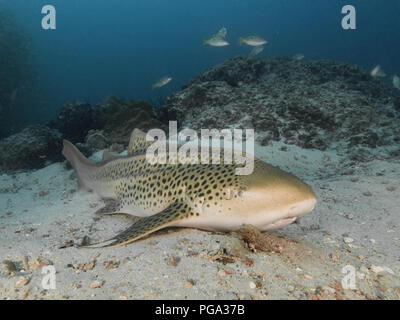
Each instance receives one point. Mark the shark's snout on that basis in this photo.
(302, 207)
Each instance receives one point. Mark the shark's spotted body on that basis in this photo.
(205, 196)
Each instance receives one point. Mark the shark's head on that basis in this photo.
(272, 198)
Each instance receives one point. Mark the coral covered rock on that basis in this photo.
(95, 141)
(311, 104)
(75, 120)
(117, 118)
(109, 122)
(32, 148)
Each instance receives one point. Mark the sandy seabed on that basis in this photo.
(356, 223)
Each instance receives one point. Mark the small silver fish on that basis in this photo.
(162, 82)
(378, 72)
(216, 42)
(254, 41)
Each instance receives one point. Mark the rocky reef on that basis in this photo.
(311, 104)
(118, 117)
(32, 148)
(92, 128)
(74, 121)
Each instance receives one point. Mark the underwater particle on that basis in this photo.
(253, 41)
(161, 82)
(256, 50)
(298, 56)
(396, 82)
(378, 72)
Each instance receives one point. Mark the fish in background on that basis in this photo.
(216, 42)
(253, 41)
(218, 39)
(298, 57)
(378, 72)
(255, 51)
(162, 82)
(396, 82)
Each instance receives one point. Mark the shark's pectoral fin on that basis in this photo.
(147, 225)
(110, 207)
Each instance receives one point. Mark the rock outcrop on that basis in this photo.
(32, 148)
(74, 121)
(118, 117)
(311, 104)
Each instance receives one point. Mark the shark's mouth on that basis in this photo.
(279, 223)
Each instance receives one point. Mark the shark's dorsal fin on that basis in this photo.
(138, 143)
(107, 157)
(147, 225)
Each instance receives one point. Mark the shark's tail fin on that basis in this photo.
(81, 164)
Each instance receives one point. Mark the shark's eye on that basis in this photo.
(240, 193)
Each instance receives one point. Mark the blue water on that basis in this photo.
(120, 47)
